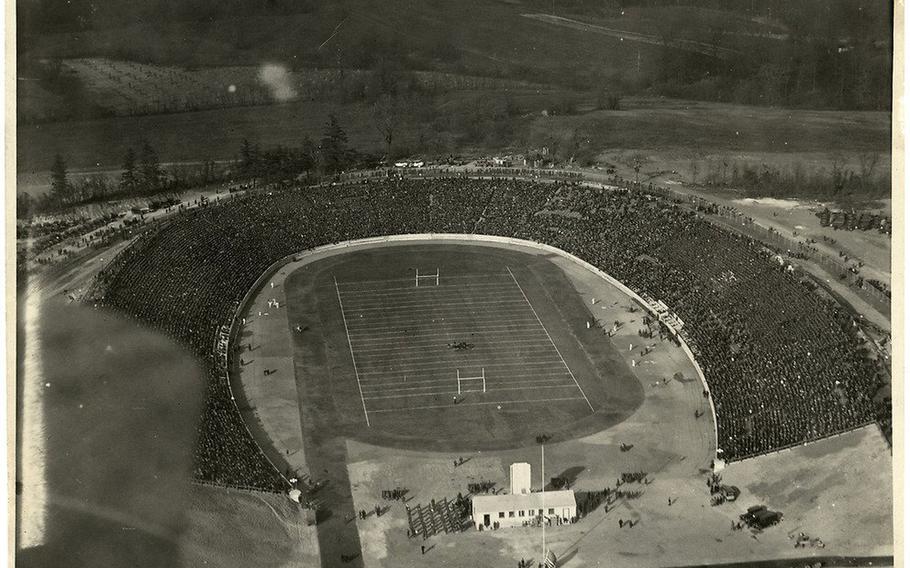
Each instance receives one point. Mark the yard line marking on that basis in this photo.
(450, 392)
(437, 384)
(442, 288)
(516, 363)
(381, 389)
(428, 291)
(438, 352)
(351, 348)
(412, 342)
(430, 333)
(486, 325)
(536, 400)
(454, 358)
(414, 330)
(521, 336)
(425, 290)
(415, 395)
(418, 326)
(409, 279)
(565, 386)
(452, 311)
(382, 375)
(415, 344)
(380, 383)
(550, 338)
(422, 317)
(422, 305)
(437, 299)
(426, 316)
(423, 293)
(453, 361)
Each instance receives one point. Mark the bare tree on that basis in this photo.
(387, 117)
(868, 161)
(636, 161)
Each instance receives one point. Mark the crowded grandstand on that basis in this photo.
(784, 362)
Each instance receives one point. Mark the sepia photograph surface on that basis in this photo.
(488, 283)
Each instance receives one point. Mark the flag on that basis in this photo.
(550, 560)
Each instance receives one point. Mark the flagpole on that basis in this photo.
(543, 524)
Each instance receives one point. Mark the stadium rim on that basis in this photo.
(454, 238)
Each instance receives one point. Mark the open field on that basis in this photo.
(694, 127)
(470, 30)
(687, 130)
(124, 88)
(701, 48)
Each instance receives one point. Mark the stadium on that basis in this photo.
(411, 284)
(419, 333)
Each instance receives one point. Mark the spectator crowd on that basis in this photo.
(784, 363)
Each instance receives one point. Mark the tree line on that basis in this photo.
(142, 174)
(841, 181)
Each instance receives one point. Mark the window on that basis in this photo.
(540, 512)
(511, 514)
(530, 512)
(502, 515)
(521, 513)
(552, 511)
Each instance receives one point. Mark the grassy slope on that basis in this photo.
(474, 27)
(700, 126)
(647, 123)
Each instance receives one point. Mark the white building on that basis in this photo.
(521, 506)
(493, 511)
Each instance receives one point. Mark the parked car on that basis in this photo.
(760, 517)
(730, 492)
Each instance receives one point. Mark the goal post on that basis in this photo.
(434, 277)
(482, 377)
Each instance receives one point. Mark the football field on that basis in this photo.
(451, 343)
(492, 352)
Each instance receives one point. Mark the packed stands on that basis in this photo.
(784, 364)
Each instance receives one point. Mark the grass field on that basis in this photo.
(680, 130)
(402, 334)
(375, 347)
